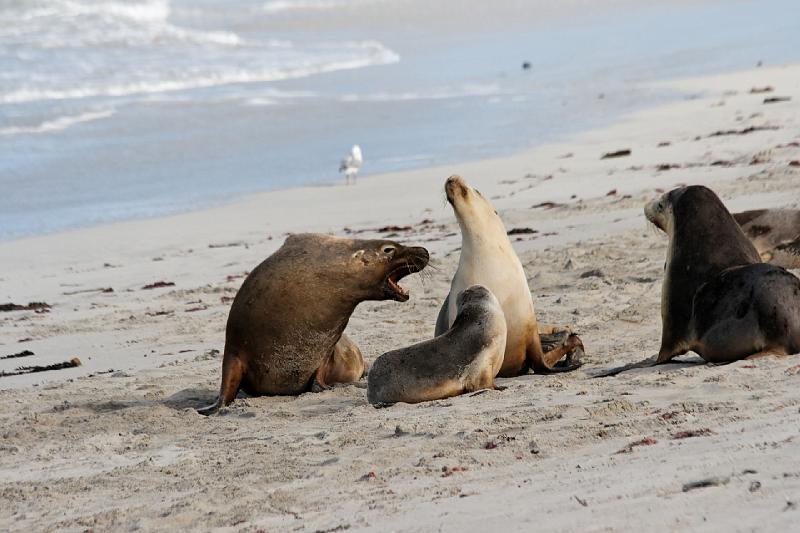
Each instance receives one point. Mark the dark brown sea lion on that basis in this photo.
(487, 258)
(718, 299)
(775, 233)
(465, 358)
(286, 322)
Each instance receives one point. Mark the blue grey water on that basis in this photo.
(113, 110)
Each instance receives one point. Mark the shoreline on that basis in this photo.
(125, 449)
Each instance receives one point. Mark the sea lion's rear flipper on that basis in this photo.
(555, 346)
(232, 373)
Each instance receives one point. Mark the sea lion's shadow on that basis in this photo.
(197, 397)
(192, 397)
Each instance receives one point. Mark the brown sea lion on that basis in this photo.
(465, 358)
(775, 233)
(289, 315)
(487, 258)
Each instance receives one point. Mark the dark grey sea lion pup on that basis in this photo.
(285, 325)
(465, 358)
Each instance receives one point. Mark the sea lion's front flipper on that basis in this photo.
(210, 409)
(233, 370)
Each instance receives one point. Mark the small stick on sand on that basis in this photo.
(72, 363)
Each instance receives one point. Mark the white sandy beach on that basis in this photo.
(116, 445)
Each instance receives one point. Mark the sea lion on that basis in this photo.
(465, 358)
(718, 299)
(286, 322)
(775, 233)
(487, 258)
(344, 365)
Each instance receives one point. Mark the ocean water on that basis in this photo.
(112, 110)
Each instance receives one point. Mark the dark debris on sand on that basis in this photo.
(24, 353)
(619, 153)
(39, 307)
(522, 231)
(158, 285)
(744, 131)
(72, 363)
(777, 99)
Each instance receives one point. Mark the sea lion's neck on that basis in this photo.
(476, 236)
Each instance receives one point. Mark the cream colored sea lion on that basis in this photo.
(465, 358)
(487, 258)
(286, 322)
(775, 233)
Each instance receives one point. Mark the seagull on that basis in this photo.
(351, 165)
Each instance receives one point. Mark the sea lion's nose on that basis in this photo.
(453, 180)
(454, 183)
(420, 255)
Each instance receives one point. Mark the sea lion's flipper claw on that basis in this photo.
(318, 383)
(316, 386)
(209, 409)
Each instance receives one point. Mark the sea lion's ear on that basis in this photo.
(358, 254)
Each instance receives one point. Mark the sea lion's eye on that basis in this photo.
(388, 249)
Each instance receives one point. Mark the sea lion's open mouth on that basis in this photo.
(397, 292)
(412, 263)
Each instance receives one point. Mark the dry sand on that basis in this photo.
(90, 448)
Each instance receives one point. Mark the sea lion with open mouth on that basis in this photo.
(487, 258)
(285, 326)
